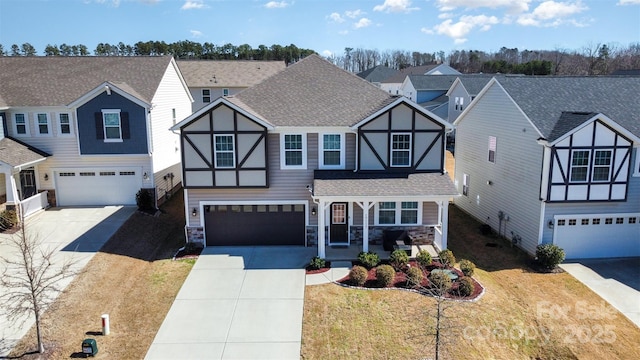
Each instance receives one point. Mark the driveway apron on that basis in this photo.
(77, 234)
(237, 303)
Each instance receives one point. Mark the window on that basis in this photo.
(331, 151)
(632, 220)
(21, 125)
(459, 103)
(225, 156)
(608, 221)
(43, 124)
(398, 213)
(636, 170)
(584, 222)
(293, 151)
(206, 95)
(465, 185)
(400, 150)
(127, 173)
(595, 221)
(112, 125)
(64, 121)
(579, 165)
(492, 149)
(561, 222)
(601, 165)
(225, 92)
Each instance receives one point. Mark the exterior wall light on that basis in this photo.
(313, 211)
(194, 212)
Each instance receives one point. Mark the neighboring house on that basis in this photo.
(90, 130)
(313, 152)
(377, 74)
(393, 83)
(554, 160)
(211, 79)
(463, 90)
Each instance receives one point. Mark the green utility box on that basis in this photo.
(89, 347)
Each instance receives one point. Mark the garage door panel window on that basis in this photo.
(224, 154)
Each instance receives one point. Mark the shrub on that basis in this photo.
(465, 286)
(144, 200)
(424, 258)
(549, 255)
(317, 263)
(467, 267)
(399, 259)
(358, 275)
(369, 259)
(8, 219)
(385, 275)
(446, 258)
(414, 276)
(440, 280)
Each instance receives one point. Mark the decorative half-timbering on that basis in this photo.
(401, 138)
(590, 164)
(224, 148)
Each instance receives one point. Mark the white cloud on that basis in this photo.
(195, 33)
(327, 53)
(459, 30)
(445, 15)
(512, 6)
(276, 4)
(551, 13)
(114, 3)
(362, 23)
(353, 14)
(628, 2)
(343, 32)
(193, 4)
(336, 17)
(395, 6)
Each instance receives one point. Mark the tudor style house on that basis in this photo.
(554, 160)
(313, 152)
(89, 130)
(210, 79)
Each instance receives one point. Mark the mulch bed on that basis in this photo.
(400, 281)
(309, 270)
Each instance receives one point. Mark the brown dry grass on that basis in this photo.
(523, 315)
(132, 279)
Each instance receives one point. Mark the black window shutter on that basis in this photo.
(124, 118)
(99, 126)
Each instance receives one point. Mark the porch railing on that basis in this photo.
(34, 203)
(437, 237)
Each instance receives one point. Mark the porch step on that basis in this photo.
(415, 249)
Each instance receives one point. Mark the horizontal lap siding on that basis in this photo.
(515, 176)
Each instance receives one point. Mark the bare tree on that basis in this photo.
(31, 279)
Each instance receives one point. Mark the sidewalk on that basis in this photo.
(338, 270)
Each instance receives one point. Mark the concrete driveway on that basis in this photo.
(77, 233)
(237, 303)
(615, 280)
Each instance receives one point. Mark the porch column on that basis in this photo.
(11, 189)
(444, 222)
(321, 236)
(365, 226)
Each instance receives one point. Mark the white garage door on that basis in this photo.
(97, 186)
(598, 235)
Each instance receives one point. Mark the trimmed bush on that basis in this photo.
(549, 255)
(144, 200)
(446, 258)
(440, 280)
(369, 259)
(414, 276)
(467, 267)
(8, 219)
(399, 259)
(385, 275)
(424, 258)
(317, 263)
(465, 286)
(358, 275)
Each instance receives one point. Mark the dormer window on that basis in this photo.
(400, 149)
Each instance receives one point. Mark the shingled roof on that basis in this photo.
(228, 73)
(556, 105)
(58, 81)
(378, 73)
(15, 153)
(354, 184)
(313, 92)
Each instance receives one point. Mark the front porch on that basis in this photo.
(350, 253)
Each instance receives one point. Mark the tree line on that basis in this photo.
(592, 59)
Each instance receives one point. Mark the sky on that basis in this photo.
(326, 26)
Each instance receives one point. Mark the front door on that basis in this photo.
(27, 183)
(339, 229)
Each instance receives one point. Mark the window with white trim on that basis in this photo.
(465, 184)
(400, 149)
(331, 153)
(224, 154)
(636, 169)
(293, 151)
(112, 125)
(43, 124)
(398, 213)
(225, 92)
(21, 125)
(206, 95)
(601, 165)
(579, 165)
(459, 103)
(64, 124)
(492, 149)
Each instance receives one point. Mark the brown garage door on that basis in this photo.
(244, 225)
